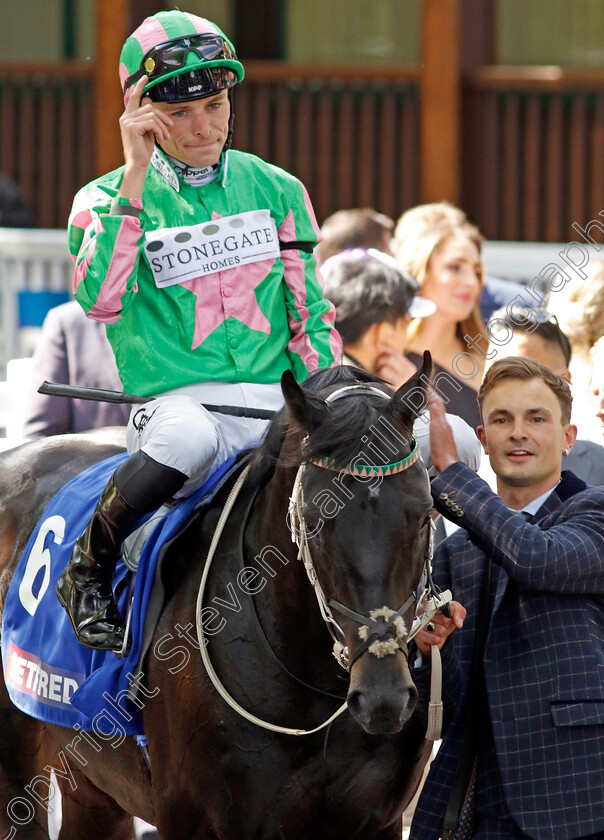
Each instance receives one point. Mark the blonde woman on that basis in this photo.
(442, 251)
(579, 307)
(596, 355)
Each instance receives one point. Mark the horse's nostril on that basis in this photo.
(381, 714)
(409, 706)
(358, 707)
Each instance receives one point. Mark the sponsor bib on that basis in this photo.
(182, 253)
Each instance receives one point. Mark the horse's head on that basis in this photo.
(360, 513)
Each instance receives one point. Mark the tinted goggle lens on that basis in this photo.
(172, 55)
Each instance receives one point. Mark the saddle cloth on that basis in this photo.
(48, 673)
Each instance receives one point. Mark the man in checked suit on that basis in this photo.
(540, 754)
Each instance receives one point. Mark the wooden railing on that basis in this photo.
(532, 140)
(349, 134)
(47, 135)
(533, 151)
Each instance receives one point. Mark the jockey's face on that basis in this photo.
(200, 129)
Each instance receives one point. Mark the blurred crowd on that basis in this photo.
(372, 268)
(477, 318)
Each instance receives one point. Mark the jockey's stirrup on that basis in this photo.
(85, 587)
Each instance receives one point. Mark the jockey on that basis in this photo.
(199, 261)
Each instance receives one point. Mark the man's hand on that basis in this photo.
(440, 628)
(140, 125)
(443, 451)
(394, 366)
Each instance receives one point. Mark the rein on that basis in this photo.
(383, 632)
(284, 730)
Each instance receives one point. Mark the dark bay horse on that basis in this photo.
(212, 773)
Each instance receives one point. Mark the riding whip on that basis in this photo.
(54, 389)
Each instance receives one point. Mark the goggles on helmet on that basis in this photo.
(172, 55)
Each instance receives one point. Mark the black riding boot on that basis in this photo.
(85, 587)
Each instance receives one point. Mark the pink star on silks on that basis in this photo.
(211, 309)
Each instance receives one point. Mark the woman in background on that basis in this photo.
(596, 355)
(442, 251)
(579, 307)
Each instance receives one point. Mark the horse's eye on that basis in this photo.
(312, 525)
(313, 522)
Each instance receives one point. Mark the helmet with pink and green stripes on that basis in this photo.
(185, 57)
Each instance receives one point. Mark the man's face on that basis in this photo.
(200, 129)
(523, 434)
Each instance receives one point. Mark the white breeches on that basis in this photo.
(177, 431)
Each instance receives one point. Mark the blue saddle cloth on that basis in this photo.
(48, 673)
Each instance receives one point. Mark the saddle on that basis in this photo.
(48, 673)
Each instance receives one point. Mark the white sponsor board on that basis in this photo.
(182, 253)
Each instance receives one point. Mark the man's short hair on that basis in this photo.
(516, 367)
(361, 227)
(537, 322)
(366, 290)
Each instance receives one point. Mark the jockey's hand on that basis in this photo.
(141, 125)
(442, 628)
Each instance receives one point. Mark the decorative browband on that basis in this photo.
(367, 470)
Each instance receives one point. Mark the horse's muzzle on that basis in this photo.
(382, 695)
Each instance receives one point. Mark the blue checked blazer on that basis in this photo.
(544, 655)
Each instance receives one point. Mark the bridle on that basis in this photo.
(384, 630)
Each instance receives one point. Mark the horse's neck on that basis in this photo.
(289, 611)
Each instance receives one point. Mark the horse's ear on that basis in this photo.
(412, 397)
(307, 410)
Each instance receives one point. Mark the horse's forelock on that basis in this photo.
(349, 432)
(340, 435)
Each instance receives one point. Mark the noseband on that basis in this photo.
(384, 630)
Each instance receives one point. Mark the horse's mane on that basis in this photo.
(340, 433)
